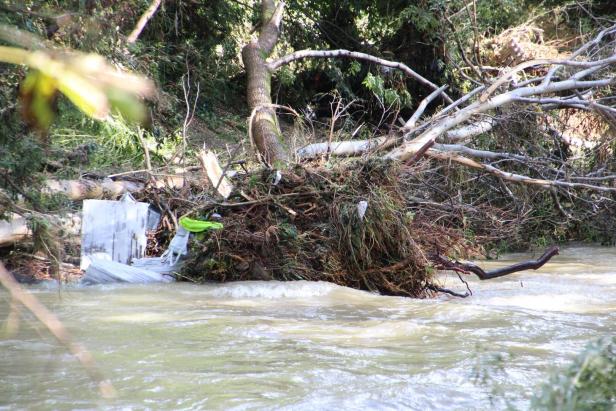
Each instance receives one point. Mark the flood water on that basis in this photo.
(310, 346)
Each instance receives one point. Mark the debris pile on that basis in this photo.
(348, 225)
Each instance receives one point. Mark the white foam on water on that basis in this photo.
(274, 289)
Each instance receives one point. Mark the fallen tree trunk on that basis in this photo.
(16, 229)
(91, 189)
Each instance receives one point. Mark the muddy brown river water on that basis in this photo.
(313, 346)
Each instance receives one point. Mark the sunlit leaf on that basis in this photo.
(86, 96)
(127, 106)
(38, 92)
(87, 80)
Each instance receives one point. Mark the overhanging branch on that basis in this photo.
(303, 54)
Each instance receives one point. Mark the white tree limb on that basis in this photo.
(405, 151)
(517, 178)
(345, 148)
(360, 147)
(464, 133)
(471, 152)
(303, 54)
(422, 107)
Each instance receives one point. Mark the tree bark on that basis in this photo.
(16, 229)
(266, 132)
(84, 189)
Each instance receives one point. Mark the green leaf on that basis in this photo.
(84, 94)
(127, 105)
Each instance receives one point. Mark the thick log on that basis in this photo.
(91, 189)
(16, 229)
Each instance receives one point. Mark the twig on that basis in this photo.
(446, 291)
(190, 112)
(146, 153)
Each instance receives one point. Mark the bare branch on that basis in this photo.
(143, 20)
(581, 50)
(303, 54)
(422, 107)
(556, 63)
(516, 178)
(471, 152)
(441, 127)
(446, 264)
(471, 130)
(462, 100)
(360, 147)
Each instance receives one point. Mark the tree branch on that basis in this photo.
(406, 150)
(516, 178)
(345, 148)
(57, 329)
(422, 107)
(143, 20)
(443, 263)
(303, 54)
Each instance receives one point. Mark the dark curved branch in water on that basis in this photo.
(443, 263)
(447, 291)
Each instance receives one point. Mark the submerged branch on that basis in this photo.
(443, 263)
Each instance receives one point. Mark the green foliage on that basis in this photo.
(114, 144)
(588, 384)
(424, 19)
(389, 96)
(19, 156)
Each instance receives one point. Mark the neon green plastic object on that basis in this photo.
(198, 226)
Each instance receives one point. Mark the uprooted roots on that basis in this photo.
(309, 226)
